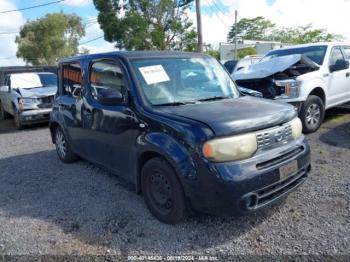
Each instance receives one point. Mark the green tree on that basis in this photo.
(147, 25)
(257, 28)
(303, 35)
(246, 51)
(47, 39)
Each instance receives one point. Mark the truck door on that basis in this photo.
(338, 85)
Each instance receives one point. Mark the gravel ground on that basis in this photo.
(47, 207)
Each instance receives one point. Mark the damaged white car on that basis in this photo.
(28, 97)
(312, 77)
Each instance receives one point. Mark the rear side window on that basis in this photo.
(72, 79)
(347, 52)
(106, 76)
(336, 55)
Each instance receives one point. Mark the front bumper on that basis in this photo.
(246, 186)
(35, 116)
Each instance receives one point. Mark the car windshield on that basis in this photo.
(176, 81)
(315, 53)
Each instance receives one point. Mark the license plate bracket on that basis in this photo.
(288, 169)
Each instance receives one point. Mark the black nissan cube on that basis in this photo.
(175, 125)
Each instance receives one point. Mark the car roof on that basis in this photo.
(129, 55)
(26, 73)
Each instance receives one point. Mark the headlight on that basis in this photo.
(230, 148)
(290, 88)
(27, 102)
(297, 128)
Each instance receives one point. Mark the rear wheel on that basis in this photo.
(312, 114)
(63, 149)
(162, 191)
(3, 114)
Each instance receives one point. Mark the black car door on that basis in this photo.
(71, 86)
(107, 116)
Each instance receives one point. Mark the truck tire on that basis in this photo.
(162, 191)
(17, 119)
(3, 114)
(63, 148)
(312, 114)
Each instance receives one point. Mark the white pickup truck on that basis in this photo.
(28, 97)
(312, 77)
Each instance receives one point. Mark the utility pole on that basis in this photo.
(235, 34)
(199, 26)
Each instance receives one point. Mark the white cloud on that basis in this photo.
(77, 2)
(328, 14)
(9, 23)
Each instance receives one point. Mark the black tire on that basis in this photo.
(17, 119)
(162, 191)
(63, 148)
(3, 114)
(312, 114)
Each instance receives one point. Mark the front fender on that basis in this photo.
(178, 154)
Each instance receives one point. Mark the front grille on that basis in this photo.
(268, 194)
(274, 136)
(280, 159)
(46, 102)
(264, 196)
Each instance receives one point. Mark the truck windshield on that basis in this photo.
(33, 80)
(315, 53)
(177, 81)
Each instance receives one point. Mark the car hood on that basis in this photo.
(234, 116)
(273, 66)
(38, 92)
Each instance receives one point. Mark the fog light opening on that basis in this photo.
(251, 201)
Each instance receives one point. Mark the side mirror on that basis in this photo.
(340, 64)
(4, 89)
(109, 96)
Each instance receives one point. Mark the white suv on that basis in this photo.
(312, 77)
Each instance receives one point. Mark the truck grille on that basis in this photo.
(46, 102)
(274, 136)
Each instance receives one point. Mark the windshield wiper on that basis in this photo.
(176, 103)
(214, 98)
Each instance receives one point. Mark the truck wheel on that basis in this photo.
(18, 121)
(312, 114)
(3, 114)
(162, 191)
(63, 149)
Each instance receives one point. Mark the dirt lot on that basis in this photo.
(47, 207)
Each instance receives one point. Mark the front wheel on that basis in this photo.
(18, 120)
(63, 149)
(162, 191)
(312, 114)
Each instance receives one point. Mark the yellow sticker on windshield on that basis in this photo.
(154, 74)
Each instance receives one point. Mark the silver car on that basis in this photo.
(28, 97)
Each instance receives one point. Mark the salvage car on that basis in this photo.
(312, 77)
(28, 97)
(175, 125)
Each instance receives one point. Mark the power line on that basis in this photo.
(31, 7)
(215, 13)
(83, 43)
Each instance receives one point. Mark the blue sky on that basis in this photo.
(218, 17)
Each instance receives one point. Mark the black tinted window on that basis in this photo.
(105, 75)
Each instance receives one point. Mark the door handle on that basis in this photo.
(347, 74)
